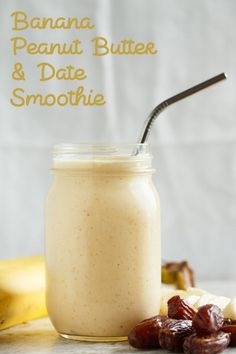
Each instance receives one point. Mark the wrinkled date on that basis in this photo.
(179, 309)
(173, 333)
(209, 319)
(232, 332)
(145, 334)
(213, 344)
(229, 322)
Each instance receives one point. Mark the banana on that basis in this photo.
(22, 290)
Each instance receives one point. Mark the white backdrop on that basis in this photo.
(194, 142)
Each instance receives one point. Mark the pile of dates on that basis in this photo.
(185, 330)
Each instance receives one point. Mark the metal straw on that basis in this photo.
(163, 105)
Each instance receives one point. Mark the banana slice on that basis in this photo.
(204, 299)
(192, 300)
(196, 291)
(230, 309)
(193, 296)
(221, 302)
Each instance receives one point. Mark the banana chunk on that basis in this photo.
(196, 291)
(221, 302)
(204, 300)
(230, 309)
(192, 300)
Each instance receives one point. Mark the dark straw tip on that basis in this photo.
(223, 76)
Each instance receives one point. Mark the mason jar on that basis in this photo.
(103, 262)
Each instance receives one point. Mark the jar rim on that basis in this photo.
(101, 149)
(102, 158)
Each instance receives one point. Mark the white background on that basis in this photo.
(193, 143)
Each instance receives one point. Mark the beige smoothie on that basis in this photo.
(102, 245)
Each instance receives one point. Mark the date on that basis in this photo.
(231, 329)
(173, 333)
(213, 344)
(209, 319)
(229, 321)
(145, 334)
(179, 309)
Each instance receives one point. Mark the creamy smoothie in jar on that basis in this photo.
(103, 261)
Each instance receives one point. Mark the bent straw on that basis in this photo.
(163, 105)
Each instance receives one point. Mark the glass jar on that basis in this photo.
(103, 262)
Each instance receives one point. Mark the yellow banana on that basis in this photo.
(22, 290)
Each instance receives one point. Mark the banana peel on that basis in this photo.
(178, 274)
